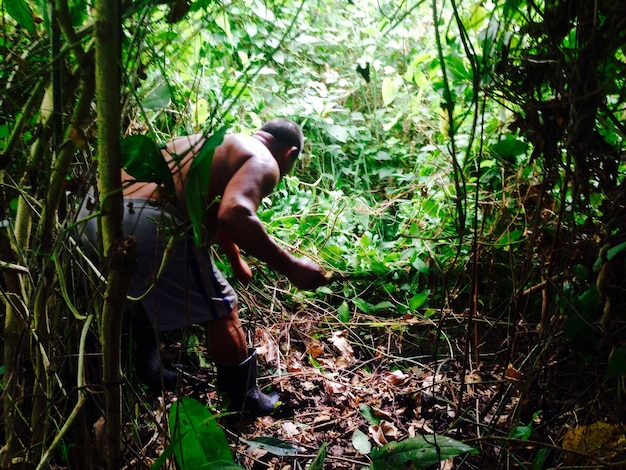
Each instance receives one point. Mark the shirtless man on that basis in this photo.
(189, 289)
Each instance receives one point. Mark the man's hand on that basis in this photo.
(307, 275)
(242, 271)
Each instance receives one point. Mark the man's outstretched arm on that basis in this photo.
(237, 218)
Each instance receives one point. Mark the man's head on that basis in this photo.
(285, 132)
(288, 141)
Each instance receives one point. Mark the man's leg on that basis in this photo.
(227, 341)
(146, 356)
(237, 368)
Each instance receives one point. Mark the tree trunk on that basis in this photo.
(118, 253)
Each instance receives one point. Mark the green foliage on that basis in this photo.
(419, 451)
(582, 312)
(318, 461)
(142, 158)
(273, 445)
(361, 442)
(21, 12)
(617, 363)
(367, 412)
(198, 179)
(524, 432)
(197, 439)
(461, 160)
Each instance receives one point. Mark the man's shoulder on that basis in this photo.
(245, 146)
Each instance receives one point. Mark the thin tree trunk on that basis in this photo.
(119, 253)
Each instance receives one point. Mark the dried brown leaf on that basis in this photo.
(383, 432)
(512, 375)
(396, 377)
(315, 349)
(339, 340)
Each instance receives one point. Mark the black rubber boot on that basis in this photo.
(239, 384)
(146, 358)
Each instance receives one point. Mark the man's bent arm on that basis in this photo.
(246, 231)
(237, 217)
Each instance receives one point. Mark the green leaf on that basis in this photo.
(539, 459)
(361, 442)
(343, 312)
(338, 132)
(273, 445)
(617, 363)
(141, 157)
(379, 268)
(521, 432)
(418, 300)
(198, 440)
(318, 461)
(610, 254)
(389, 90)
(201, 111)
(582, 311)
(384, 305)
(158, 98)
(198, 180)
(421, 451)
(368, 414)
(362, 305)
(221, 20)
(21, 12)
(508, 149)
(420, 265)
(314, 362)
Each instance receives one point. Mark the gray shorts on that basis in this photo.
(188, 289)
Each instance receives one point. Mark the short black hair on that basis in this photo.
(285, 131)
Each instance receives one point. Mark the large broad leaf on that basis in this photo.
(197, 440)
(158, 98)
(273, 445)
(21, 12)
(390, 89)
(509, 149)
(141, 157)
(420, 451)
(418, 300)
(198, 180)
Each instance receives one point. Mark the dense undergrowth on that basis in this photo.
(462, 179)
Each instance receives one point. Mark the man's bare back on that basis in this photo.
(243, 156)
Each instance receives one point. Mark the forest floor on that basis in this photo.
(374, 380)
